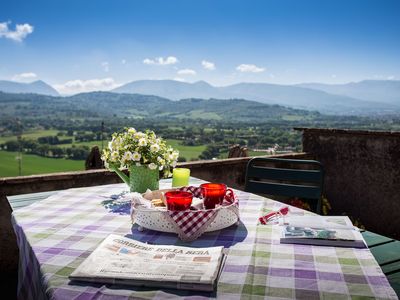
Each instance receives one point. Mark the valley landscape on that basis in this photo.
(48, 132)
(200, 149)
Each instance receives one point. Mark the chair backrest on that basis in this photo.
(286, 177)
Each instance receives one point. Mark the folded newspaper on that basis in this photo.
(120, 260)
(336, 231)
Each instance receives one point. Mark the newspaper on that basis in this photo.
(121, 260)
(336, 231)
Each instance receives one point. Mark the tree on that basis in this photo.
(210, 152)
(12, 146)
(182, 159)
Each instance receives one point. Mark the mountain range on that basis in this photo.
(312, 97)
(35, 87)
(360, 98)
(135, 106)
(386, 91)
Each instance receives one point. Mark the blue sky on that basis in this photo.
(85, 45)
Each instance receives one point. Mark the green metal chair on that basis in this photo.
(286, 177)
(387, 253)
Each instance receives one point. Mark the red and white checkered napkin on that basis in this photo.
(192, 223)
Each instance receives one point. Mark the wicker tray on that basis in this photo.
(155, 218)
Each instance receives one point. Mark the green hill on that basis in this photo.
(105, 104)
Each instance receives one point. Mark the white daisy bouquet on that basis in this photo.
(132, 147)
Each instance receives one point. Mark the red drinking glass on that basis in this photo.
(213, 194)
(178, 200)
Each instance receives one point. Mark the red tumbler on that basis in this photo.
(213, 194)
(178, 200)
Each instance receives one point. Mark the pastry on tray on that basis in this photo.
(156, 197)
(157, 202)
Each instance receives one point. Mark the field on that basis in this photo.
(258, 153)
(90, 144)
(33, 164)
(188, 152)
(29, 135)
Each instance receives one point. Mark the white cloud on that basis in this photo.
(384, 77)
(186, 72)
(106, 66)
(81, 86)
(179, 79)
(123, 61)
(24, 76)
(208, 65)
(333, 76)
(160, 61)
(21, 31)
(249, 68)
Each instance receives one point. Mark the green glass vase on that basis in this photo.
(140, 178)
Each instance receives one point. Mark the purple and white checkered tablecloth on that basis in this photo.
(56, 234)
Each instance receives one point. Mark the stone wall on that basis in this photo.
(362, 174)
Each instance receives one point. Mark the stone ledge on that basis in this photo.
(332, 131)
